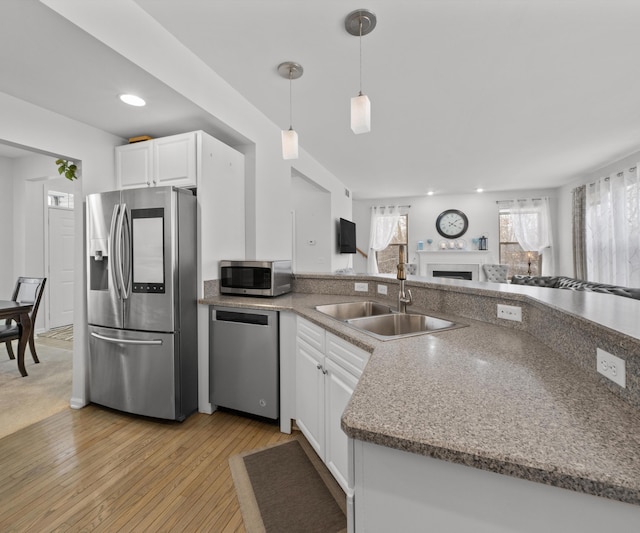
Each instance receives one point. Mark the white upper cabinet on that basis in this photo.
(174, 160)
(164, 161)
(133, 165)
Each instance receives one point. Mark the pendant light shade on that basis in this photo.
(359, 23)
(289, 144)
(291, 71)
(360, 114)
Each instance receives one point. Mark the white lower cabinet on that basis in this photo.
(310, 394)
(339, 386)
(327, 371)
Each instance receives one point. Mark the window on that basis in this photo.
(388, 258)
(512, 254)
(60, 199)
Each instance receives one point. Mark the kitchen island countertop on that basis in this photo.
(486, 396)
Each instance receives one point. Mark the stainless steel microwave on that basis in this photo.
(255, 278)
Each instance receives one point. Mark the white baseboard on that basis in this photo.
(77, 403)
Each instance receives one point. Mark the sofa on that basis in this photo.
(563, 282)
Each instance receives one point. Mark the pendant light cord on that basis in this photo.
(360, 93)
(290, 99)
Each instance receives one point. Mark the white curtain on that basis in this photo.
(531, 219)
(613, 229)
(384, 221)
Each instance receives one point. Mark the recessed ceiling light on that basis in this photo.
(479, 189)
(430, 193)
(132, 99)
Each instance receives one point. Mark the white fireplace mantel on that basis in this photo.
(430, 260)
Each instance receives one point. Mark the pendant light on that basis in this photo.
(358, 23)
(291, 71)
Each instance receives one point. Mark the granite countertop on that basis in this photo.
(486, 396)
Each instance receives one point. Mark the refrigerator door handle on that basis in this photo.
(113, 252)
(128, 258)
(155, 342)
(123, 287)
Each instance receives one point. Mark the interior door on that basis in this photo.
(61, 268)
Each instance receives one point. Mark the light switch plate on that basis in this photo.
(382, 289)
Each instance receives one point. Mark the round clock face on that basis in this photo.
(452, 223)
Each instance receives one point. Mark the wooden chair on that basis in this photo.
(28, 290)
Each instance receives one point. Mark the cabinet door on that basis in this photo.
(339, 386)
(174, 160)
(133, 165)
(310, 395)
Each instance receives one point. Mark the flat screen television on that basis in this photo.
(347, 237)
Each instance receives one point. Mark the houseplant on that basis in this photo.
(68, 168)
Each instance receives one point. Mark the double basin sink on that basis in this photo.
(382, 322)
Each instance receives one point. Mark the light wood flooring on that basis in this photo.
(98, 470)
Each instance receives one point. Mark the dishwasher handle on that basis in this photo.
(242, 318)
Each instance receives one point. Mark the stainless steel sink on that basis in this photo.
(398, 325)
(382, 322)
(349, 310)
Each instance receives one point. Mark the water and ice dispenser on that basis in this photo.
(99, 265)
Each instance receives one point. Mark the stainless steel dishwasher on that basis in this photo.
(244, 370)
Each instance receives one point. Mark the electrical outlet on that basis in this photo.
(382, 289)
(362, 287)
(510, 312)
(611, 367)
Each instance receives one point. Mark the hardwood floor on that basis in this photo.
(97, 470)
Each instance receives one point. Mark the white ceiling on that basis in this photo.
(499, 94)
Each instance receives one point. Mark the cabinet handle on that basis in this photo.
(319, 367)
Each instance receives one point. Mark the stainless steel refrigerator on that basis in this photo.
(142, 301)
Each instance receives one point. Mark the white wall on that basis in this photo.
(480, 208)
(312, 231)
(340, 206)
(29, 174)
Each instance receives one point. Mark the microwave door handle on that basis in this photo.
(113, 249)
(120, 258)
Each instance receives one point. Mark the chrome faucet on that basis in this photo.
(404, 297)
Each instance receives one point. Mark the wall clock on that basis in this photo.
(452, 223)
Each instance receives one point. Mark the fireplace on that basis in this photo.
(470, 271)
(453, 274)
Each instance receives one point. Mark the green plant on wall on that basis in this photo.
(68, 168)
